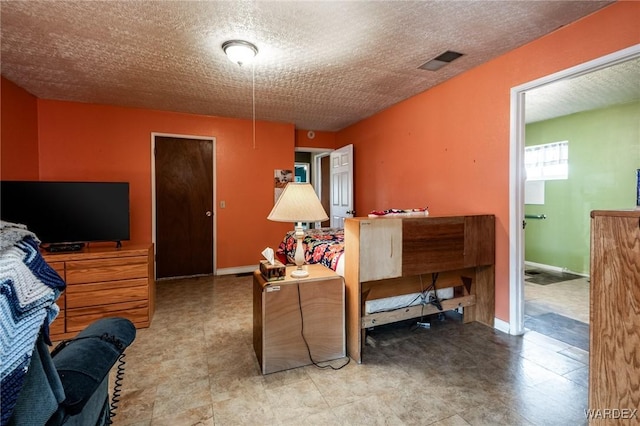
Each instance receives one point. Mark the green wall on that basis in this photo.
(604, 154)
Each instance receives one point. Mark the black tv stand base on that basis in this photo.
(64, 247)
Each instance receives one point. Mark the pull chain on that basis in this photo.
(253, 101)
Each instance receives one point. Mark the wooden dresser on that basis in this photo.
(103, 282)
(614, 354)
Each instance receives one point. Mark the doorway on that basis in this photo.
(183, 201)
(331, 175)
(315, 163)
(341, 175)
(517, 178)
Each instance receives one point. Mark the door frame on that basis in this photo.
(515, 325)
(153, 189)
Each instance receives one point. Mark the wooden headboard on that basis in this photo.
(390, 251)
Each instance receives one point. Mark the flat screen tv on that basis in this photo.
(68, 213)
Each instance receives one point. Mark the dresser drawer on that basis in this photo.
(103, 293)
(138, 312)
(122, 268)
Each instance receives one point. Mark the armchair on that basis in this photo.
(70, 385)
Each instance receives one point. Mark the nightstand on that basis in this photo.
(285, 310)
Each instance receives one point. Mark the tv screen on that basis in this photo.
(68, 212)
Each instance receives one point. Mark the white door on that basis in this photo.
(341, 175)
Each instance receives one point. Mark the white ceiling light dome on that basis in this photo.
(239, 51)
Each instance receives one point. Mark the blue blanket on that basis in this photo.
(29, 288)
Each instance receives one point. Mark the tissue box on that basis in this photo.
(274, 272)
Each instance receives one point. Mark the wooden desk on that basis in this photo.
(284, 311)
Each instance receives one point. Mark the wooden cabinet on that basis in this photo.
(294, 319)
(614, 353)
(103, 282)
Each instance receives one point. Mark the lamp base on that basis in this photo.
(299, 273)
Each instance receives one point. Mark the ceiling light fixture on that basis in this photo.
(239, 51)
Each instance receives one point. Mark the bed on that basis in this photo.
(321, 245)
(326, 247)
(391, 267)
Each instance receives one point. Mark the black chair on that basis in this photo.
(70, 385)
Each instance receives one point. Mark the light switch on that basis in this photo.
(223, 204)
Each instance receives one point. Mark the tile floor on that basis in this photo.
(558, 309)
(569, 298)
(196, 365)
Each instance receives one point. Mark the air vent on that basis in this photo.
(440, 61)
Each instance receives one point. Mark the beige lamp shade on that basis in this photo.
(298, 203)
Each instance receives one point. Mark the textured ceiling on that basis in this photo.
(617, 84)
(321, 65)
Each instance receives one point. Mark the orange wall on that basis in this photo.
(320, 139)
(96, 142)
(448, 148)
(449, 145)
(18, 133)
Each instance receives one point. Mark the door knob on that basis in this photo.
(208, 213)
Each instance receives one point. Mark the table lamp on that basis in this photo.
(298, 203)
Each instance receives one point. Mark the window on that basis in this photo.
(548, 161)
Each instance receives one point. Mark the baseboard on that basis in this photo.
(553, 268)
(236, 270)
(500, 325)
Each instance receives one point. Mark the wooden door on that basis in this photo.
(184, 206)
(341, 186)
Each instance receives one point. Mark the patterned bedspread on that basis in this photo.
(323, 245)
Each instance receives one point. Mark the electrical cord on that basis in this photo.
(117, 388)
(433, 299)
(423, 293)
(307, 343)
(421, 323)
